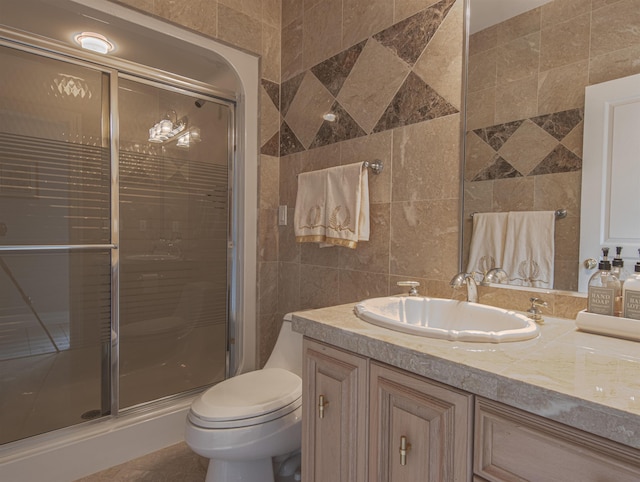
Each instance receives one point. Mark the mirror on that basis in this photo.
(529, 63)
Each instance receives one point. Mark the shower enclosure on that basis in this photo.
(115, 240)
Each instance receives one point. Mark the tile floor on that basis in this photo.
(172, 464)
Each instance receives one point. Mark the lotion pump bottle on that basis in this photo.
(604, 289)
(631, 294)
(617, 266)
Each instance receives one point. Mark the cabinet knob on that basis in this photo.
(321, 404)
(404, 448)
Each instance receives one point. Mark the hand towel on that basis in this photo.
(332, 207)
(309, 218)
(529, 248)
(487, 242)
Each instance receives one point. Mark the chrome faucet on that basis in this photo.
(468, 279)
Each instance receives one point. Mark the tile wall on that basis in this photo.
(527, 78)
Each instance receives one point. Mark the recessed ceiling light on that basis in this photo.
(94, 42)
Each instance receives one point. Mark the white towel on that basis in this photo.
(487, 242)
(339, 215)
(529, 248)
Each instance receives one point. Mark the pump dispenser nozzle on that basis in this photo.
(605, 264)
(637, 267)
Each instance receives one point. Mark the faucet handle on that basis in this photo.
(535, 313)
(413, 291)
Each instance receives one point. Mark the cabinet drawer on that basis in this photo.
(512, 445)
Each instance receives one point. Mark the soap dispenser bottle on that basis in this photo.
(631, 294)
(604, 289)
(617, 266)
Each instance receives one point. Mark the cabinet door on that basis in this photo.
(427, 421)
(515, 446)
(334, 432)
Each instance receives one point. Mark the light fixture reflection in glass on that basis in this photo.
(166, 129)
(94, 42)
(329, 117)
(190, 137)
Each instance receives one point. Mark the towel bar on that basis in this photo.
(375, 166)
(560, 214)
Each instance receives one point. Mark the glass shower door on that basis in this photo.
(174, 224)
(55, 256)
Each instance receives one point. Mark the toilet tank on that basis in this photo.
(287, 353)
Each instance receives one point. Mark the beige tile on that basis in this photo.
(430, 170)
(515, 194)
(322, 32)
(291, 55)
(559, 191)
(563, 88)
(291, 10)
(239, 29)
(518, 59)
(558, 11)
(567, 306)
(567, 239)
(565, 276)
(313, 254)
(363, 18)
(517, 100)
(267, 288)
(369, 148)
(321, 158)
(272, 12)
(406, 8)
(372, 255)
(269, 327)
(288, 248)
(288, 287)
(199, 15)
(319, 286)
(614, 65)
(309, 3)
(271, 53)
(267, 235)
(251, 8)
(519, 26)
(510, 299)
(565, 43)
(478, 156)
(290, 167)
(440, 65)
(424, 239)
(527, 147)
(615, 27)
(481, 108)
(269, 117)
(360, 285)
(144, 5)
(574, 139)
(269, 183)
(310, 103)
(478, 198)
(483, 40)
(482, 71)
(374, 80)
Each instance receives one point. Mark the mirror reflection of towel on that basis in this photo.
(487, 242)
(332, 206)
(529, 248)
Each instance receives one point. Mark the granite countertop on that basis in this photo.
(590, 382)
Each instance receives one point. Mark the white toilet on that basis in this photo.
(244, 421)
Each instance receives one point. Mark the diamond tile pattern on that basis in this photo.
(527, 147)
(370, 86)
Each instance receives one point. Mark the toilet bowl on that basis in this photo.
(243, 422)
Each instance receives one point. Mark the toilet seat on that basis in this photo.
(248, 399)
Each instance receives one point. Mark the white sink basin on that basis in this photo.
(447, 319)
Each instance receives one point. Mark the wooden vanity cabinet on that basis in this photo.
(365, 421)
(418, 429)
(511, 445)
(335, 410)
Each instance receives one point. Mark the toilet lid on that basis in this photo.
(248, 395)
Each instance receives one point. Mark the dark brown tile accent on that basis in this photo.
(497, 135)
(288, 92)
(335, 70)
(409, 37)
(272, 146)
(561, 159)
(500, 169)
(414, 102)
(273, 91)
(559, 124)
(289, 143)
(344, 127)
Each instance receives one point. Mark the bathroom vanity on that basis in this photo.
(387, 406)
